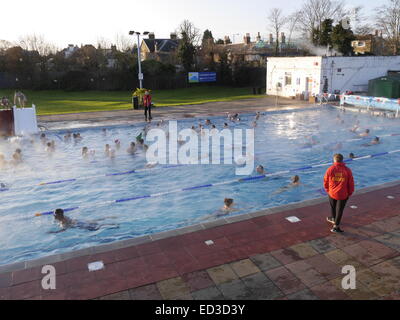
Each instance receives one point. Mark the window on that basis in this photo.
(288, 79)
(339, 70)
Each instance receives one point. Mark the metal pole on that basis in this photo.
(139, 62)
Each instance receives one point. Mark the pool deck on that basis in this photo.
(254, 256)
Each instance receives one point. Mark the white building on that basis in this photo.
(310, 76)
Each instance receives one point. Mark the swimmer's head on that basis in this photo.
(42, 136)
(107, 146)
(59, 214)
(260, 169)
(228, 202)
(133, 144)
(18, 151)
(376, 139)
(367, 131)
(338, 157)
(295, 179)
(141, 141)
(351, 155)
(84, 150)
(213, 126)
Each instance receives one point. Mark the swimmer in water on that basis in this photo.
(67, 137)
(43, 138)
(226, 125)
(295, 182)
(49, 148)
(258, 115)
(364, 134)
(227, 208)
(104, 131)
(260, 169)
(117, 144)
(208, 122)
(65, 223)
(107, 150)
(3, 161)
(374, 141)
(85, 152)
(352, 156)
(17, 157)
(132, 148)
(254, 124)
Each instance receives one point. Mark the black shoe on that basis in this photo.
(337, 230)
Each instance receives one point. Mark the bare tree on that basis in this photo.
(192, 33)
(4, 45)
(123, 42)
(276, 22)
(292, 22)
(103, 43)
(314, 12)
(34, 42)
(388, 20)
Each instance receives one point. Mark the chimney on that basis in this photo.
(271, 39)
(246, 39)
(283, 37)
(173, 36)
(258, 39)
(152, 36)
(227, 40)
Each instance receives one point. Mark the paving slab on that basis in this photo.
(222, 274)
(244, 268)
(173, 288)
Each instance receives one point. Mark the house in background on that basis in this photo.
(371, 44)
(162, 50)
(255, 52)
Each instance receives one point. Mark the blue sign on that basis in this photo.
(197, 77)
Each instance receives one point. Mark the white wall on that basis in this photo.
(25, 121)
(305, 75)
(341, 73)
(353, 73)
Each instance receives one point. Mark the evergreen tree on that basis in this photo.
(186, 52)
(341, 39)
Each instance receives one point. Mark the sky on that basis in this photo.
(86, 21)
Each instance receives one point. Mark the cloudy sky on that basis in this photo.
(86, 21)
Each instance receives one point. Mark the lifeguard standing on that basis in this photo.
(147, 105)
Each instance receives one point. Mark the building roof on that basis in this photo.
(165, 45)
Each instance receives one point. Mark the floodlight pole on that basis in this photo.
(140, 74)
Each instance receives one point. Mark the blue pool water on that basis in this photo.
(279, 137)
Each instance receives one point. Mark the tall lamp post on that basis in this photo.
(140, 75)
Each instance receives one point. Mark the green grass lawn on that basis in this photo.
(57, 102)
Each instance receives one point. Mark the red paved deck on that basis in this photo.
(262, 258)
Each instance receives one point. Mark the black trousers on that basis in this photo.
(147, 109)
(337, 208)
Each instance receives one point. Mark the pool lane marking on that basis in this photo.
(169, 166)
(215, 184)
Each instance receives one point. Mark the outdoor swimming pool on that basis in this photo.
(92, 186)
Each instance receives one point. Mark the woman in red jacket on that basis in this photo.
(147, 105)
(339, 184)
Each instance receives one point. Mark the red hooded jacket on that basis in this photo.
(339, 182)
(147, 100)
